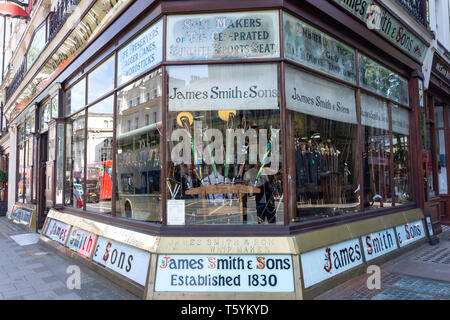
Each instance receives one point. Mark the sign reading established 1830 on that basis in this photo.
(388, 27)
(225, 273)
(223, 36)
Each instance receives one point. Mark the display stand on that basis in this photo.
(238, 189)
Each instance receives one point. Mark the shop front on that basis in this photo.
(236, 153)
(435, 122)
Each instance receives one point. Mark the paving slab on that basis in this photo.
(32, 271)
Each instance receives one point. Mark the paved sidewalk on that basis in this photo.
(423, 274)
(32, 271)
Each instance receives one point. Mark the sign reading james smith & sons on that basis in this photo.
(309, 46)
(389, 27)
(223, 36)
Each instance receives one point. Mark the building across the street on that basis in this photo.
(266, 149)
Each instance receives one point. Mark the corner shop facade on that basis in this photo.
(237, 152)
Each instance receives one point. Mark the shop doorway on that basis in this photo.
(42, 179)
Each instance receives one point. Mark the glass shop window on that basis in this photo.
(101, 80)
(75, 97)
(440, 150)
(401, 154)
(138, 169)
(224, 149)
(45, 114)
(48, 111)
(75, 150)
(59, 163)
(322, 114)
(381, 80)
(427, 162)
(21, 179)
(28, 168)
(376, 152)
(99, 156)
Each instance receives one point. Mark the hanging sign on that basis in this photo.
(327, 262)
(141, 54)
(82, 242)
(315, 96)
(223, 87)
(225, 273)
(388, 27)
(123, 259)
(374, 112)
(223, 36)
(311, 47)
(441, 69)
(410, 232)
(379, 243)
(57, 231)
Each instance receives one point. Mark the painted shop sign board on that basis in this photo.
(225, 273)
(223, 87)
(315, 96)
(374, 112)
(223, 36)
(309, 46)
(400, 120)
(82, 242)
(379, 243)
(441, 69)
(410, 232)
(141, 54)
(128, 261)
(387, 26)
(21, 215)
(324, 263)
(58, 231)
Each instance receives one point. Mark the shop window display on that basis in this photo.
(28, 168)
(75, 183)
(59, 163)
(376, 152)
(138, 165)
(99, 156)
(427, 163)
(440, 149)
(401, 154)
(21, 164)
(224, 148)
(323, 115)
